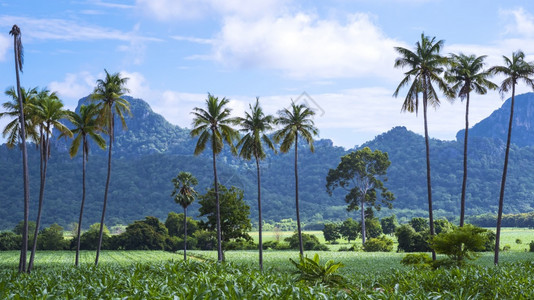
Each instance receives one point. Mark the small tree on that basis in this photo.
(184, 194)
(331, 232)
(462, 242)
(234, 217)
(389, 224)
(419, 224)
(361, 173)
(349, 229)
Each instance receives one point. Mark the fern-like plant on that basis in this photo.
(312, 272)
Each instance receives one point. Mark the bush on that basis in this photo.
(460, 243)
(240, 245)
(10, 241)
(531, 246)
(411, 241)
(506, 247)
(420, 260)
(518, 241)
(51, 238)
(309, 242)
(381, 244)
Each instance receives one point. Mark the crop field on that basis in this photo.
(164, 275)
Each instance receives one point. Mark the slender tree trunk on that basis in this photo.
(101, 233)
(363, 220)
(503, 182)
(84, 159)
(217, 206)
(464, 181)
(43, 167)
(428, 181)
(25, 173)
(260, 245)
(297, 194)
(185, 233)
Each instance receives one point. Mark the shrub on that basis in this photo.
(411, 241)
(10, 241)
(381, 244)
(460, 243)
(506, 247)
(531, 246)
(420, 260)
(518, 241)
(309, 242)
(240, 245)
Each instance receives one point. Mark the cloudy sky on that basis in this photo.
(337, 56)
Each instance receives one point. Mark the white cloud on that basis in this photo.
(73, 87)
(522, 22)
(170, 10)
(4, 46)
(303, 46)
(58, 29)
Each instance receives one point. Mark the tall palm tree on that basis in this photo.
(46, 113)
(296, 121)
(19, 61)
(514, 70)
(85, 126)
(108, 93)
(184, 194)
(214, 124)
(425, 66)
(466, 74)
(254, 125)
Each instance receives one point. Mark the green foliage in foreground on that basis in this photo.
(312, 272)
(159, 274)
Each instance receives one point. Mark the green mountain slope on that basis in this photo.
(152, 151)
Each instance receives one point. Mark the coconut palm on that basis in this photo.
(19, 61)
(515, 70)
(85, 126)
(466, 74)
(108, 93)
(214, 125)
(46, 114)
(425, 66)
(184, 194)
(254, 125)
(11, 107)
(295, 121)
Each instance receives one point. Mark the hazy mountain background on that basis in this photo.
(152, 152)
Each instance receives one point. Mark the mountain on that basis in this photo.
(152, 152)
(496, 125)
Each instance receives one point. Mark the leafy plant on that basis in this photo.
(531, 246)
(421, 260)
(460, 243)
(311, 271)
(381, 244)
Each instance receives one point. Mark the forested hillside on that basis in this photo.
(152, 151)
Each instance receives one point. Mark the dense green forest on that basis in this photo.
(152, 151)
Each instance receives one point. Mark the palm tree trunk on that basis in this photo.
(25, 172)
(84, 158)
(503, 182)
(363, 220)
(297, 194)
(101, 233)
(428, 181)
(217, 206)
(464, 181)
(44, 164)
(260, 244)
(185, 233)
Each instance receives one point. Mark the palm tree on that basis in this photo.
(85, 125)
(46, 114)
(184, 194)
(254, 126)
(514, 70)
(297, 120)
(19, 61)
(214, 125)
(425, 65)
(12, 110)
(466, 74)
(107, 93)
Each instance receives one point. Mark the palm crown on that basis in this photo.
(254, 125)
(214, 124)
(466, 74)
(86, 125)
(184, 192)
(296, 121)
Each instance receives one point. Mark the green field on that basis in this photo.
(164, 275)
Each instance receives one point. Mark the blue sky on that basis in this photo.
(339, 52)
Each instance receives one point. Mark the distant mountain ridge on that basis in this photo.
(496, 125)
(152, 151)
